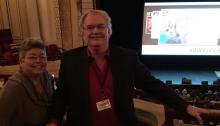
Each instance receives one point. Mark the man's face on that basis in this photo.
(95, 31)
(34, 62)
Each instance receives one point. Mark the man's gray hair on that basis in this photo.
(101, 12)
(29, 44)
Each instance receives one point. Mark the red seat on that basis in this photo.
(53, 52)
(5, 40)
(11, 59)
(8, 55)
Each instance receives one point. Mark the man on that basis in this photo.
(96, 82)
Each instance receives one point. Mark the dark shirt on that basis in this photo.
(101, 89)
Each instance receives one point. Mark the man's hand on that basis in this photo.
(197, 112)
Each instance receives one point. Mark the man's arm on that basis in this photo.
(163, 93)
(145, 81)
(58, 106)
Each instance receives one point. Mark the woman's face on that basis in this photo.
(34, 62)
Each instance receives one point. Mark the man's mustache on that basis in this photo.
(96, 35)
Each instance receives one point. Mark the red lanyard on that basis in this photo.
(102, 77)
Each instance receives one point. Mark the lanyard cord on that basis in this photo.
(102, 77)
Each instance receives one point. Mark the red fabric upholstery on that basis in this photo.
(5, 40)
(8, 55)
(53, 52)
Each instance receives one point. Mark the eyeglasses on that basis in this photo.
(35, 58)
(92, 27)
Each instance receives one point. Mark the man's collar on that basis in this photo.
(89, 53)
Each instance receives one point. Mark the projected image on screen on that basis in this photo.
(182, 28)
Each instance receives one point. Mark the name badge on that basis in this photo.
(104, 104)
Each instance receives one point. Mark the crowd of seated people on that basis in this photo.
(209, 98)
(201, 99)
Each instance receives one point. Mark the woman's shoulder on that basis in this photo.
(12, 88)
(15, 82)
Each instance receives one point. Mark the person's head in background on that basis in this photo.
(96, 29)
(32, 57)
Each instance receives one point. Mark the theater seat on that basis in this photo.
(149, 113)
(5, 40)
(53, 52)
(10, 58)
(8, 55)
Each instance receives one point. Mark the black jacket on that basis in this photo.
(127, 72)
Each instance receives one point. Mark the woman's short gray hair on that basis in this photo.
(29, 44)
(101, 12)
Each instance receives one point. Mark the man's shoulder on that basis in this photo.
(75, 51)
(122, 50)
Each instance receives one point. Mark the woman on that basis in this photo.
(26, 96)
